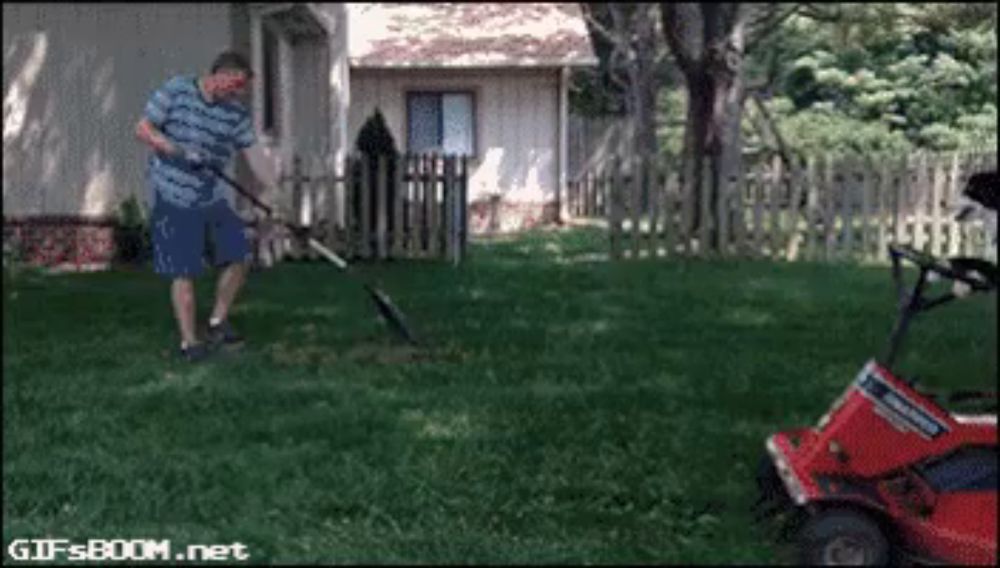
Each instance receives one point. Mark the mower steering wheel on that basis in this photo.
(979, 274)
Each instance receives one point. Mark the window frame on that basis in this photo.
(271, 107)
(440, 93)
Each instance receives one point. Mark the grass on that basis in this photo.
(567, 410)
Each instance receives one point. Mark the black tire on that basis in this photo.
(769, 484)
(843, 536)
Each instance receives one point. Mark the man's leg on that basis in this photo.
(178, 243)
(232, 250)
(230, 281)
(182, 294)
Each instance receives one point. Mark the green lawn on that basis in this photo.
(568, 410)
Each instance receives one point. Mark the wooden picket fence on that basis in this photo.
(366, 208)
(824, 209)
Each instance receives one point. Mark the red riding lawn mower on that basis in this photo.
(889, 475)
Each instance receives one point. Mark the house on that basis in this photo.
(486, 80)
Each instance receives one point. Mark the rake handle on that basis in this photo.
(297, 229)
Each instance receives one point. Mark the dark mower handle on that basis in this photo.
(979, 274)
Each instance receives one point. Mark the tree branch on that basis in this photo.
(622, 30)
(597, 26)
(773, 126)
(838, 15)
(768, 25)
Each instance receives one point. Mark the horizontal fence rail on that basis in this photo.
(825, 209)
(375, 207)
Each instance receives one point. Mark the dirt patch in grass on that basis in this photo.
(377, 352)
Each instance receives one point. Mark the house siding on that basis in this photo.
(515, 175)
(76, 78)
(73, 151)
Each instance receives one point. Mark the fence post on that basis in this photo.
(456, 225)
(829, 217)
(636, 204)
(866, 209)
(795, 196)
(953, 193)
(296, 206)
(416, 204)
(937, 193)
(463, 205)
(335, 181)
(350, 193)
(381, 205)
(433, 211)
(655, 204)
(812, 199)
(920, 204)
(313, 179)
(898, 193)
(669, 211)
(398, 189)
(411, 200)
(774, 193)
(614, 205)
(600, 192)
(705, 206)
(884, 187)
(849, 180)
(588, 201)
(366, 199)
(722, 214)
(968, 231)
(448, 197)
(757, 191)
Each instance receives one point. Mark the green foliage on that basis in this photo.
(821, 129)
(885, 77)
(672, 108)
(133, 243)
(375, 138)
(923, 72)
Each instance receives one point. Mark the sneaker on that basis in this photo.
(194, 353)
(223, 335)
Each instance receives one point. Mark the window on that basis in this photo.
(440, 122)
(272, 82)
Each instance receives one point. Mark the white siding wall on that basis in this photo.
(517, 126)
(76, 78)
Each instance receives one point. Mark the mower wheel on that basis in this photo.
(836, 537)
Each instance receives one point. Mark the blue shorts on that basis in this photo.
(183, 236)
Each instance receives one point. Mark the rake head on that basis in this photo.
(391, 314)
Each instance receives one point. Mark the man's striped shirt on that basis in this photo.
(215, 130)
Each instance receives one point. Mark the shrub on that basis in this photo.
(133, 244)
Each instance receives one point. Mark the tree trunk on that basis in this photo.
(707, 42)
(635, 25)
(645, 88)
(712, 134)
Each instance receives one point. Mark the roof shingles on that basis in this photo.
(468, 35)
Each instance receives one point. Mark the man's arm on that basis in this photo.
(153, 138)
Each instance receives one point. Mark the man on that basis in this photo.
(194, 125)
